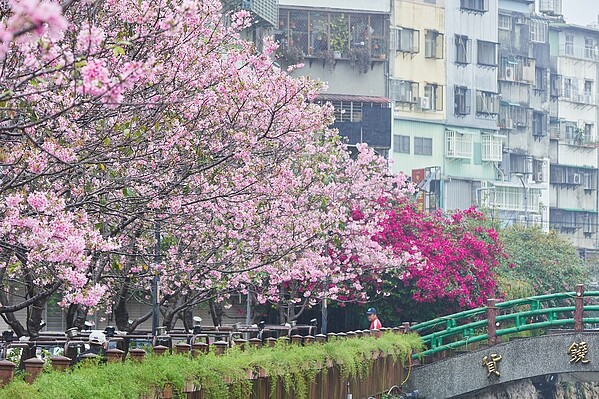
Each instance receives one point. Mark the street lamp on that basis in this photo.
(520, 177)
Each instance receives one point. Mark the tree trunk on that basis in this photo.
(121, 313)
(216, 311)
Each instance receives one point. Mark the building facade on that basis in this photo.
(346, 44)
(573, 133)
(417, 87)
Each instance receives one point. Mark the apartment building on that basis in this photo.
(418, 87)
(522, 192)
(346, 44)
(573, 133)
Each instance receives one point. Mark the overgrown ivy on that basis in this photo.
(221, 377)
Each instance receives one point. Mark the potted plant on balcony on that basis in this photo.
(339, 41)
(290, 54)
(360, 58)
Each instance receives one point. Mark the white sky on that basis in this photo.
(580, 12)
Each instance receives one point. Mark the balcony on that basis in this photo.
(458, 145)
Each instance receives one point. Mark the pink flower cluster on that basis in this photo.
(42, 17)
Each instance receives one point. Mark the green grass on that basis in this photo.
(296, 366)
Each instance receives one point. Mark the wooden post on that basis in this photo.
(60, 362)
(491, 320)
(579, 304)
(7, 372)
(255, 342)
(33, 368)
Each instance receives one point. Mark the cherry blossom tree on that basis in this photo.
(117, 117)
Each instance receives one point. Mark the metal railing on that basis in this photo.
(504, 318)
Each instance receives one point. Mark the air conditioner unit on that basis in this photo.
(576, 178)
(535, 220)
(425, 103)
(510, 73)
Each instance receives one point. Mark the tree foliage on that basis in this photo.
(121, 121)
(538, 263)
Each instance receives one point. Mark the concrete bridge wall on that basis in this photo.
(520, 359)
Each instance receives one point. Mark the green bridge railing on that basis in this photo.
(487, 323)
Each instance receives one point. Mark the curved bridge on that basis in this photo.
(519, 359)
(560, 344)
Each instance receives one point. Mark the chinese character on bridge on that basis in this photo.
(491, 364)
(578, 352)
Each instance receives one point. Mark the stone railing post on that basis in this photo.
(296, 339)
(60, 362)
(33, 368)
(160, 350)
(321, 338)
(114, 355)
(182, 348)
(7, 372)
(137, 355)
(220, 347)
(492, 312)
(578, 309)
(199, 348)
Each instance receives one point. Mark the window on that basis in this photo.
(589, 48)
(588, 87)
(347, 111)
(434, 93)
(487, 53)
(512, 199)
(539, 124)
(409, 40)
(505, 22)
(538, 31)
(513, 116)
(462, 48)
(403, 91)
(401, 144)
(588, 132)
(462, 100)
(433, 44)
(316, 32)
(458, 145)
(487, 103)
(556, 85)
(540, 79)
(492, 148)
(423, 146)
(475, 5)
(569, 45)
(567, 87)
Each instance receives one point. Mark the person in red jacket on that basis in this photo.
(375, 323)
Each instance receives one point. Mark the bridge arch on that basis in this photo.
(520, 359)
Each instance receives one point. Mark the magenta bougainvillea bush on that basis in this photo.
(455, 257)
